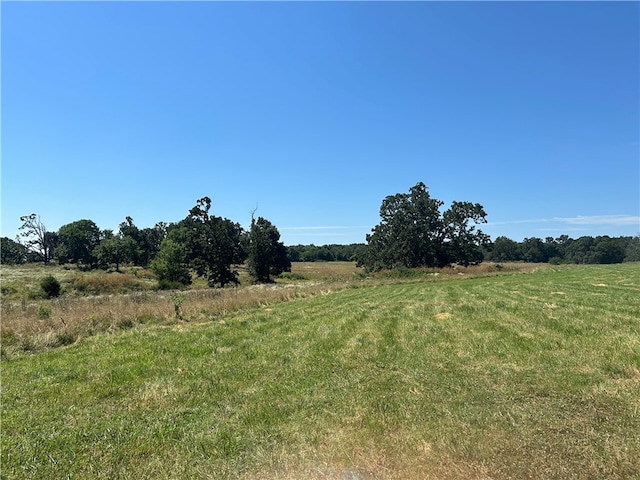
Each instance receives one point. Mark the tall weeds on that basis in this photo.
(125, 300)
(25, 329)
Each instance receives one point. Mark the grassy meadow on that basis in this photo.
(495, 373)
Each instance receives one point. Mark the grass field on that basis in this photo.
(512, 375)
(106, 302)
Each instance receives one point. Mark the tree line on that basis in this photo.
(564, 249)
(326, 253)
(203, 244)
(413, 231)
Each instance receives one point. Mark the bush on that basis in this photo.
(170, 285)
(50, 286)
(44, 312)
(171, 265)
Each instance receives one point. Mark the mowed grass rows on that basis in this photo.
(516, 376)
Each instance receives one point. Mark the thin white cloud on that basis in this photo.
(515, 222)
(600, 220)
(618, 220)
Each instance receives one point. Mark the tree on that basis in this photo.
(115, 249)
(77, 241)
(314, 254)
(332, 252)
(632, 251)
(580, 250)
(214, 244)
(128, 230)
(609, 250)
(534, 251)
(414, 233)
(149, 243)
(505, 250)
(267, 255)
(171, 264)
(146, 240)
(12, 252)
(462, 243)
(37, 240)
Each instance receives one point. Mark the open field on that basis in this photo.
(99, 302)
(507, 375)
(105, 302)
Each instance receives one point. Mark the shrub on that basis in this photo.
(44, 312)
(170, 285)
(171, 264)
(50, 286)
(405, 272)
(8, 289)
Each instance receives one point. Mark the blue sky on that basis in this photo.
(314, 112)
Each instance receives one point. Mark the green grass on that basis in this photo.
(531, 375)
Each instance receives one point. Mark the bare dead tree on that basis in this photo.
(36, 238)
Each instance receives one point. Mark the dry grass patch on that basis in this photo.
(70, 318)
(326, 270)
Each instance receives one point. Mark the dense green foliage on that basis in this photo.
(12, 252)
(325, 253)
(146, 241)
(414, 233)
(267, 255)
(602, 249)
(171, 264)
(50, 286)
(77, 242)
(214, 244)
(114, 249)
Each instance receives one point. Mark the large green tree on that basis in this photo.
(77, 242)
(267, 255)
(12, 252)
(114, 250)
(214, 244)
(504, 250)
(171, 264)
(414, 233)
(632, 250)
(147, 240)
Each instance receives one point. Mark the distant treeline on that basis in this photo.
(325, 253)
(564, 249)
(413, 232)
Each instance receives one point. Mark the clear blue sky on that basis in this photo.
(314, 112)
